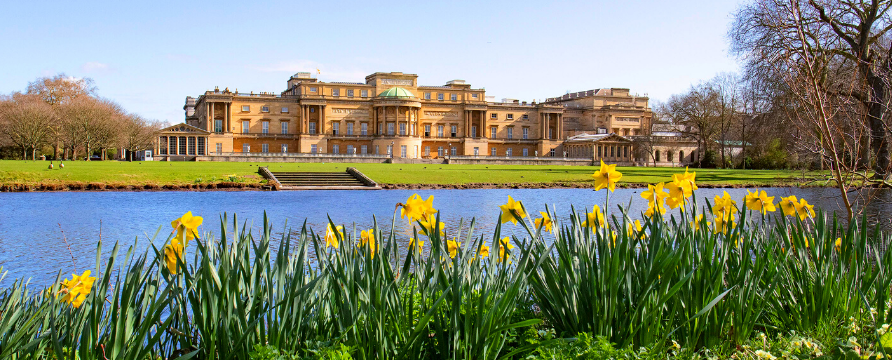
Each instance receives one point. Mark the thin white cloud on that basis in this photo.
(94, 66)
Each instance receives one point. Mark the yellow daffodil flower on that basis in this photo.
(172, 252)
(367, 238)
(186, 227)
(331, 238)
(681, 187)
(654, 196)
(415, 208)
(606, 177)
(416, 244)
(77, 289)
(723, 206)
(633, 227)
(838, 244)
(759, 201)
(544, 221)
(516, 207)
(504, 248)
(788, 205)
(804, 209)
(452, 246)
(429, 224)
(696, 223)
(594, 219)
(484, 251)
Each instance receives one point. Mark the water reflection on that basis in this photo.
(41, 232)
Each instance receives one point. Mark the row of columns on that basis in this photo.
(227, 117)
(606, 151)
(173, 145)
(411, 120)
(545, 120)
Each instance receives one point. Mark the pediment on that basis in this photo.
(182, 128)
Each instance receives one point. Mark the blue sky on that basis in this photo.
(149, 55)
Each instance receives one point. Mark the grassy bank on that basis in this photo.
(118, 174)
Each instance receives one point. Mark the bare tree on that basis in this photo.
(696, 115)
(90, 124)
(138, 134)
(25, 121)
(58, 90)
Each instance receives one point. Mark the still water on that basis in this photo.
(34, 227)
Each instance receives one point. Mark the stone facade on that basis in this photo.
(391, 114)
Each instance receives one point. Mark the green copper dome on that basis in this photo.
(396, 92)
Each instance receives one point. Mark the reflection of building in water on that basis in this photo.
(391, 114)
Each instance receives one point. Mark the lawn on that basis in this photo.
(180, 173)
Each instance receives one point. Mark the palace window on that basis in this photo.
(335, 128)
(312, 89)
(681, 155)
(264, 109)
(350, 128)
(476, 151)
(526, 152)
(246, 126)
(335, 149)
(264, 148)
(493, 116)
(349, 149)
(284, 110)
(335, 92)
(510, 134)
(201, 146)
(314, 149)
(363, 129)
(526, 133)
(474, 131)
(526, 117)
(403, 129)
(246, 148)
(551, 153)
(364, 93)
(474, 95)
(508, 152)
(439, 96)
(265, 127)
(453, 151)
(380, 130)
(312, 129)
(509, 116)
(427, 130)
(364, 149)
(550, 133)
(493, 152)
(453, 97)
(389, 128)
(427, 151)
(668, 156)
(389, 150)
(492, 132)
(427, 96)
(376, 150)
(284, 125)
(284, 148)
(172, 145)
(246, 108)
(454, 131)
(403, 151)
(219, 148)
(440, 151)
(218, 125)
(439, 130)
(350, 93)
(312, 110)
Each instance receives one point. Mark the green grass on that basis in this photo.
(179, 173)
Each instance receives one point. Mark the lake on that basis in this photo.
(34, 227)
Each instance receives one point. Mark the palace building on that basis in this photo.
(391, 114)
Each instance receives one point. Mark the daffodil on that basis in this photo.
(724, 207)
(681, 187)
(332, 236)
(430, 223)
(838, 244)
(511, 208)
(544, 221)
(594, 219)
(654, 196)
(186, 227)
(606, 177)
(696, 223)
(723, 222)
(633, 227)
(416, 244)
(804, 210)
(504, 248)
(788, 205)
(367, 238)
(759, 201)
(173, 251)
(452, 246)
(484, 251)
(415, 208)
(77, 289)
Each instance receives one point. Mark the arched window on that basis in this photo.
(681, 155)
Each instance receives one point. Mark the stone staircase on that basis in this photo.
(351, 179)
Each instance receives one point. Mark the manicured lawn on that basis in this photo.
(178, 173)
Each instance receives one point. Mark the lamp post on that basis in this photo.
(449, 153)
(391, 151)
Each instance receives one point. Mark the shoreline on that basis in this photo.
(232, 186)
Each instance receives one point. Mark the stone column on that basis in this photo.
(322, 119)
(212, 120)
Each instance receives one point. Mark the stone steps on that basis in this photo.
(319, 180)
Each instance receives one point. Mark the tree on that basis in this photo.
(696, 114)
(89, 123)
(25, 122)
(59, 90)
(138, 134)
